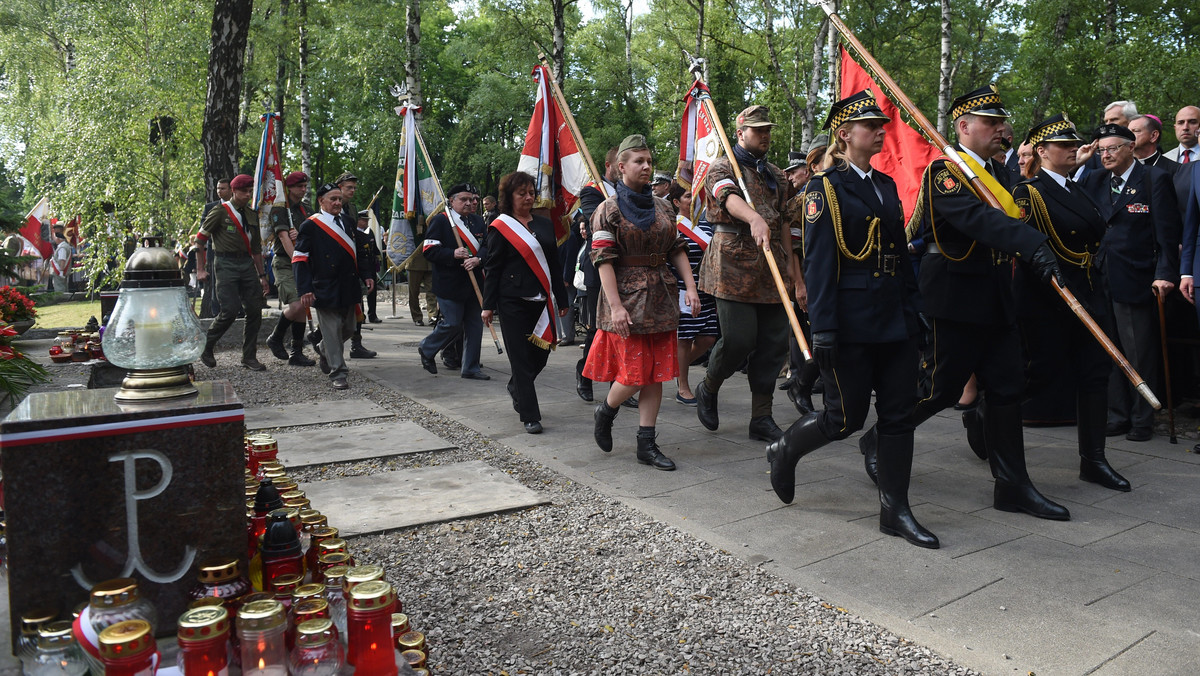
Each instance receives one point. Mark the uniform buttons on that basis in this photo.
(891, 245)
(1072, 232)
(876, 274)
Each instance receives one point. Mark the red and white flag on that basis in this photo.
(268, 174)
(552, 157)
(905, 153)
(32, 230)
(699, 146)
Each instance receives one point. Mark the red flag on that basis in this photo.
(72, 231)
(32, 230)
(268, 174)
(552, 158)
(905, 152)
(699, 146)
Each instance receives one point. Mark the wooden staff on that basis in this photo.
(596, 176)
(450, 215)
(1162, 332)
(696, 69)
(879, 75)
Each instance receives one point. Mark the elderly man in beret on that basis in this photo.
(232, 227)
(285, 223)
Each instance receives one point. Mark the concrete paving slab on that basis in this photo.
(388, 501)
(1162, 653)
(359, 442)
(717, 502)
(1170, 600)
(966, 493)
(1007, 630)
(1156, 546)
(314, 413)
(625, 477)
(1166, 492)
(1087, 525)
(963, 534)
(1060, 572)
(795, 538)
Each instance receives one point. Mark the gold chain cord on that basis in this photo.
(928, 180)
(1042, 214)
(835, 212)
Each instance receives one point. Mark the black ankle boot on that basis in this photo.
(763, 428)
(868, 445)
(1014, 492)
(895, 453)
(648, 452)
(604, 417)
(802, 438)
(1091, 420)
(357, 351)
(583, 386)
(706, 407)
(275, 340)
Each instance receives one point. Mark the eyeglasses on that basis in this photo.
(1111, 150)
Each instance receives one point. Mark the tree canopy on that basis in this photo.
(102, 102)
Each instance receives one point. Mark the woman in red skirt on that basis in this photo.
(634, 237)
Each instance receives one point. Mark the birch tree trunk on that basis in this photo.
(1060, 32)
(218, 136)
(281, 74)
(558, 55)
(946, 82)
(305, 116)
(412, 51)
(244, 107)
(832, 53)
(814, 81)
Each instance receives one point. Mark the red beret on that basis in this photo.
(241, 182)
(295, 178)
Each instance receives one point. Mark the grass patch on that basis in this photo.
(67, 315)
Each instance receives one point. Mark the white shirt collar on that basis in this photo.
(1058, 178)
(328, 214)
(982, 162)
(1125, 176)
(861, 174)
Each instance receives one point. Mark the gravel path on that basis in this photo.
(584, 585)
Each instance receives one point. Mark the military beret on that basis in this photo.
(295, 178)
(326, 187)
(1106, 130)
(633, 142)
(819, 141)
(241, 182)
(462, 187)
(346, 177)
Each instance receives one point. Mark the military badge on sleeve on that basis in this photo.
(814, 205)
(1023, 205)
(945, 182)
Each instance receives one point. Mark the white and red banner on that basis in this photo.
(268, 174)
(552, 157)
(33, 230)
(544, 331)
(699, 146)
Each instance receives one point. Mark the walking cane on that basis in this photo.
(880, 76)
(697, 69)
(1162, 332)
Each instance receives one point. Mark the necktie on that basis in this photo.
(1070, 185)
(1116, 184)
(870, 179)
(1186, 156)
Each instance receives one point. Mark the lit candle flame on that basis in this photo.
(261, 663)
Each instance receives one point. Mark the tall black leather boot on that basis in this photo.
(1091, 419)
(583, 386)
(802, 438)
(972, 419)
(801, 389)
(648, 452)
(604, 417)
(1014, 492)
(868, 445)
(895, 456)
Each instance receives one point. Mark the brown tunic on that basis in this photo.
(648, 294)
(225, 235)
(734, 267)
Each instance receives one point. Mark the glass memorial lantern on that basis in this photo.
(153, 331)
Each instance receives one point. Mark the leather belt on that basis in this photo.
(998, 257)
(644, 261)
(239, 254)
(730, 228)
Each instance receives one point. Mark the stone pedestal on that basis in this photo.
(96, 490)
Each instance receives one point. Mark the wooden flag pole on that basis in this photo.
(696, 69)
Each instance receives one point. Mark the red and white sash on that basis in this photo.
(460, 227)
(544, 331)
(694, 233)
(326, 222)
(239, 224)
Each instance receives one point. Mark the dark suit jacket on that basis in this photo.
(1190, 262)
(1144, 229)
(864, 301)
(1013, 163)
(450, 280)
(975, 289)
(327, 267)
(505, 272)
(1076, 221)
(590, 199)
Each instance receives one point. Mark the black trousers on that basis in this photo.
(517, 319)
(956, 350)
(890, 369)
(1060, 349)
(592, 304)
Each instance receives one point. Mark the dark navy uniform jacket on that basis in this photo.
(1078, 227)
(974, 287)
(868, 301)
(450, 280)
(1144, 229)
(326, 266)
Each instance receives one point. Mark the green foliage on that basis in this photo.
(80, 83)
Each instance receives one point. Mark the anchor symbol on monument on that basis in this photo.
(133, 560)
